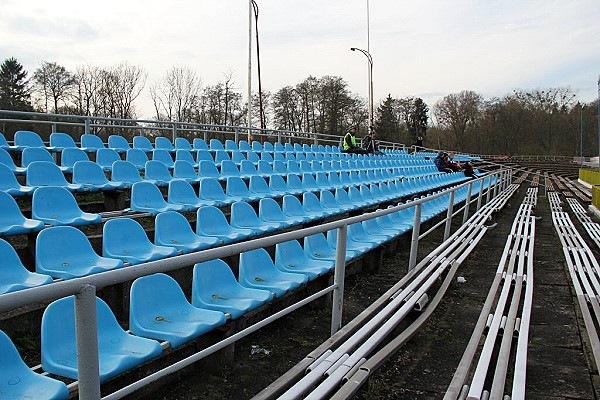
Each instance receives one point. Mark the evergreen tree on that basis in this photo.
(386, 124)
(14, 86)
(417, 119)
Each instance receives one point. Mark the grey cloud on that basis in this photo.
(52, 28)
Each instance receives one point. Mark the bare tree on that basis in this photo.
(175, 96)
(457, 112)
(123, 84)
(53, 83)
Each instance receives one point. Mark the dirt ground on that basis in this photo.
(422, 369)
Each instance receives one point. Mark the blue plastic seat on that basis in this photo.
(92, 176)
(182, 144)
(244, 146)
(157, 173)
(257, 146)
(61, 141)
(143, 143)
(278, 186)
(276, 147)
(125, 173)
(70, 155)
(269, 210)
(264, 168)
(341, 196)
(228, 168)
(24, 139)
(32, 154)
(357, 232)
(164, 143)
(230, 145)
(118, 351)
(118, 143)
(173, 229)
(185, 155)
(65, 252)
(147, 197)
(312, 205)
(6, 160)
(259, 187)
(236, 188)
(211, 191)
(244, 216)
(199, 144)
(208, 169)
(164, 157)
(353, 248)
(216, 144)
(220, 156)
(55, 205)
(309, 182)
(329, 203)
(12, 221)
(185, 170)
(137, 157)
(257, 271)
(18, 381)
(373, 228)
(264, 156)
(248, 170)
(290, 257)
(159, 310)
(4, 144)
(204, 155)
(91, 143)
(253, 157)
(9, 183)
(317, 247)
(237, 157)
(44, 173)
(212, 222)
(126, 240)
(13, 275)
(294, 209)
(182, 192)
(214, 287)
(295, 185)
(106, 158)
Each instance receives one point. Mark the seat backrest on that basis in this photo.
(7, 160)
(181, 192)
(257, 184)
(126, 172)
(119, 143)
(88, 172)
(268, 146)
(184, 155)
(228, 168)
(208, 169)
(211, 221)
(163, 143)
(106, 157)
(242, 214)
(146, 194)
(123, 236)
(182, 144)
(231, 145)
(236, 187)
(269, 210)
(62, 140)
(137, 157)
(200, 144)
(51, 202)
(71, 155)
(256, 146)
(215, 144)
(244, 146)
(211, 189)
(91, 142)
(142, 143)
(31, 154)
(204, 155)
(157, 170)
(45, 173)
(184, 169)
(277, 184)
(163, 156)
(172, 227)
(28, 139)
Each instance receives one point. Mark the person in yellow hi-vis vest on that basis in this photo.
(349, 143)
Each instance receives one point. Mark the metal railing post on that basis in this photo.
(414, 243)
(237, 136)
(87, 125)
(205, 136)
(467, 203)
(489, 189)
(278, 136)
(142, 131)
(338, 279)
(480, 195)
(449, 215)
(316, 140)
(498, 182)
(54, 127)
(86, 331)
(174, 132)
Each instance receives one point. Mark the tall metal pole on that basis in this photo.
(250, 16)
(370, 60)
(581, 136)
(598, 122)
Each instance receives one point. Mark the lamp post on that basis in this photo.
(598, 122)
(581, 135)
(370, 59)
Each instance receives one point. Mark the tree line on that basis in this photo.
(541, 121)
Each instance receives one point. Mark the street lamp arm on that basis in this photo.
(366, 53)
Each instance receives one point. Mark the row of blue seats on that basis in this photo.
(55, 205)
(64, 252)
(89, 142)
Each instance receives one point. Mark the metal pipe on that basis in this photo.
(86, 331)
(338, 279)
(250, 15)
(449, 215)
(467, 203)
(87, 126)
(414, 243)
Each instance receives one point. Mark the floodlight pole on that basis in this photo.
(598, 122)
(370, 59)
(250, 16)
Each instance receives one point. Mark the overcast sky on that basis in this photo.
(421, 48)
